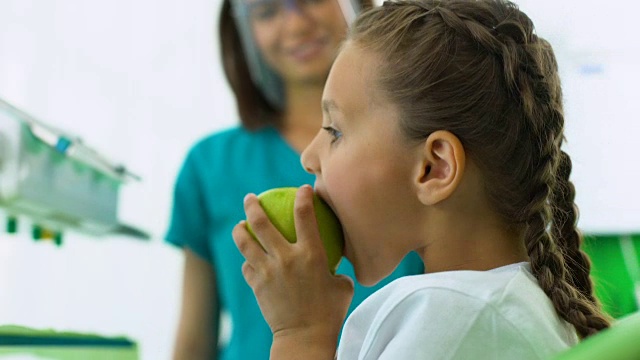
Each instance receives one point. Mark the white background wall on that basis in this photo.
(598, 49)
(140, 81)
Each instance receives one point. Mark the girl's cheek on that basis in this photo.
(339, 188)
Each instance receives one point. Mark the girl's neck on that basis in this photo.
(465, 233)
(475, 246)
(302, 117)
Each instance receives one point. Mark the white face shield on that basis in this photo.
(246, 12)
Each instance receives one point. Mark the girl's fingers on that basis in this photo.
(268, 235)
(249, 274)
(305, 219)
(248, 246)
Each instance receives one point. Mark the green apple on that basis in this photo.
(278, 205)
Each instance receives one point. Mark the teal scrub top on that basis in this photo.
(208, 202)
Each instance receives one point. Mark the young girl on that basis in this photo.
(276, 55)
(442, 134)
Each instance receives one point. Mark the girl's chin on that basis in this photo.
(362, 276)
(367, 280)
(368, 275)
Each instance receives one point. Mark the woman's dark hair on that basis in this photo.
(253, 107)
(478, 70)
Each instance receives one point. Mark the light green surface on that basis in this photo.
(26, 331)
(620, 342)
(67, 353)
(62, 351)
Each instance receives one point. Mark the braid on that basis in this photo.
(570, 239)
(545, 255)
(551, 238)
(509, 40)
(548, 260)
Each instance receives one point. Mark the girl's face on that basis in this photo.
(298, 38)
(364, 167)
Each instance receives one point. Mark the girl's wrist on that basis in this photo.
(308, 343)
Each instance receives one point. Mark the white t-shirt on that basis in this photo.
(498, 314)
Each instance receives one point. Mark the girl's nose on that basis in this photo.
(309, 158)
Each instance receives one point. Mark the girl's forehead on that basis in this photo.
(357, 66)
(359, 71)
(351, 82)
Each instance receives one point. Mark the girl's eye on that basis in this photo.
(335, 134)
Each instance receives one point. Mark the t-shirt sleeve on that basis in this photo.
(444, 325)
(188, 226)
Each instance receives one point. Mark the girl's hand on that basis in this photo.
(303, 303)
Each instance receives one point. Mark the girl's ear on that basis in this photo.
(441, 167)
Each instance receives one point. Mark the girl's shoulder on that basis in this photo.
(461, 309)
(482, 286)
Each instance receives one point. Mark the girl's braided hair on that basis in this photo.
(477, 69)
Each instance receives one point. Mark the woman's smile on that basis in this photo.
(308, 50)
